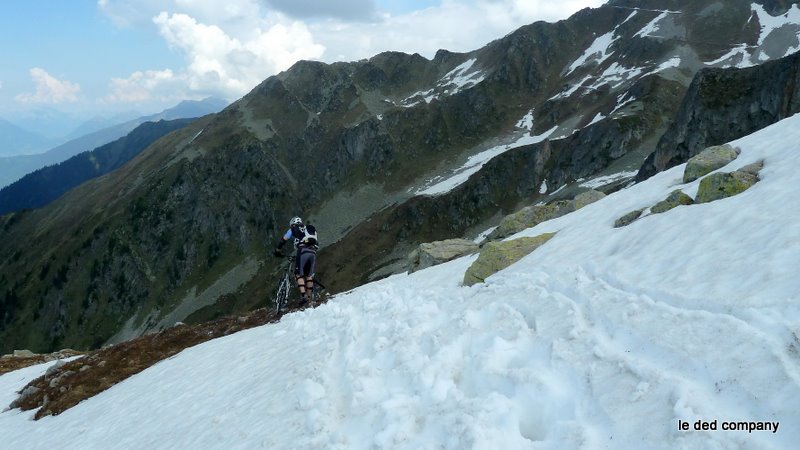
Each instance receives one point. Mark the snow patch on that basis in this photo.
(608, 179)
(741, 51)
(543, 187)
(475, 162)
(483, 235)
(623, 100)
(526, 123)
(196, 136)
(460, 77)
(451, 83)
(743, 55)
(652, 27)
(597, 118)
(771, 23)
(598, 51)
(675, 61)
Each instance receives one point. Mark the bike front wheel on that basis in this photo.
(282, 294)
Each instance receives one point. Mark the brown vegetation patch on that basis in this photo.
(10, 364)
(66, 385)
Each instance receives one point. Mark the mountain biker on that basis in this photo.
(305, 241)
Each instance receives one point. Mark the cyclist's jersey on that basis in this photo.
(304, 237)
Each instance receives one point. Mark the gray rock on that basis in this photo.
(54, 368)
(27, 392)
(709, 160)
(57, 380)
(586, 198)
(722, 185)
(433, 253)
(23, 354)
(753, 169)
(496, 256)
(675, 198)
(628, 219)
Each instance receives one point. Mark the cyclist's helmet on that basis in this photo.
(296, 221)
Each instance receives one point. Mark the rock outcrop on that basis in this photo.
(434, 253)
(723, 105)
(496, 256)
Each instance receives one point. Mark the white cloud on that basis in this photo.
(217, 60)
(229, 47)
(456, 25)
(49, 89)
(145, 86)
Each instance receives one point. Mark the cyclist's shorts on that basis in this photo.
(306, 264)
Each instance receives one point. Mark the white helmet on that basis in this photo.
(295, 221)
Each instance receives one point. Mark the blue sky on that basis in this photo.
(99, 56)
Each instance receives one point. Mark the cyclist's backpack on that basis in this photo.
(310, 238)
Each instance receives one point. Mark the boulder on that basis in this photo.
(531, 216)
(26, 393)
(54, 368)
(586, 198)
(433, 253)
(709, 160)
(721, 185)
(675, 198)
(23, 354)
(628, 219)
(496, 256)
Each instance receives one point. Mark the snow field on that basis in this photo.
(602, 338)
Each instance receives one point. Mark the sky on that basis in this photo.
(97, 56)
(601, 338)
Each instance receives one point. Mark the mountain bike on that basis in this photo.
(287, 281)
(284, 285)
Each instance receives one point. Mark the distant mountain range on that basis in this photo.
(15, 140)
(101, 122)
(14, 167)
(46, 184)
